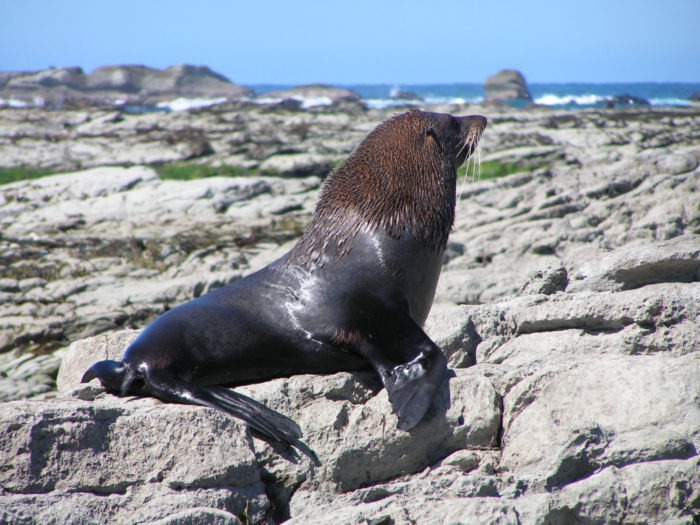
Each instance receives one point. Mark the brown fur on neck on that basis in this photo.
(399, 179)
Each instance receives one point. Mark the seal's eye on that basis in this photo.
(432, 133)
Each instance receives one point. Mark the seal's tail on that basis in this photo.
(267, 424)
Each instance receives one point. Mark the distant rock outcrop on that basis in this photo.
(626, 101)
(400, 94)
(133, 83)
(507, 85)
(70, 77)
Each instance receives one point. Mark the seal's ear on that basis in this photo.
(432, 133)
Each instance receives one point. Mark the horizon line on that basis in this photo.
(357, 82)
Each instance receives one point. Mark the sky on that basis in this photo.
(362, 41)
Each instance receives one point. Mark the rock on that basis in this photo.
(296, 165)
(72, 250)
(338, 415)
(201, 515)
(676, 260)
(677, 164)
(457, 500)
(608, 426)
(24, 375)
(132, 83)
(127, 79)
(549, 280)
(590, 430)
(243, 138)
(187, 80)
(469, 417)
(626, 100)
(58, 466)
(455, 333)
(7, 76)
(695, 97)
(70, 77)
(84, 353)
(568, 308)
(347, 106)
(648, 488)
(506, 85)
(404, 510)
(398, 94)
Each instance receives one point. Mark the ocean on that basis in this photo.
(568, 96)
(571, 96)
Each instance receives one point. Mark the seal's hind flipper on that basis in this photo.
(264, 422)
(411, 386)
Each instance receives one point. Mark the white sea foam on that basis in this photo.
(13, 103)
(264, 100)
(382, 103)
(182, 104)
(670, 102)
(306, 102)
(452, 100)
(564, 100)
(309, 102)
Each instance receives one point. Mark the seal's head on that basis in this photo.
(401, 178)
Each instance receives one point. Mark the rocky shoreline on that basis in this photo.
(568, 306)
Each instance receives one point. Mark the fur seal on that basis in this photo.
(353, 293)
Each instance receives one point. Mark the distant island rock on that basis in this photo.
(507, 85)
(399, 94)
(136, 84)
(695, 97)
(626, 100)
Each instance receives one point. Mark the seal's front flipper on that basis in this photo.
(411, 386)
(265, 423)
(409, 363)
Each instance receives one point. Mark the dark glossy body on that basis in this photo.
(285, 319)
(349, 296)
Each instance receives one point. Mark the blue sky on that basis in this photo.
(360, 41)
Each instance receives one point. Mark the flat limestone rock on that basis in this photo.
(120, 461)
(84, 353)
(614, 412)
(338, 414)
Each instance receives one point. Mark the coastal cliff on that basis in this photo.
(568, 308)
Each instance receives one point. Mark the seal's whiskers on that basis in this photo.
(477, 164)
(473, 163)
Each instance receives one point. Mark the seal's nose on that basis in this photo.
(472, 128)
(473, 123)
